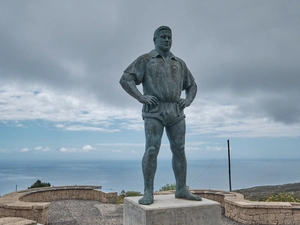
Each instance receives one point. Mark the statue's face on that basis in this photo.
(164, 41)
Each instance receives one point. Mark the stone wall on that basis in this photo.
(12, 207)
(273, 213)
(252, 212)
(69, 193)
(217, 196)
(33, 204)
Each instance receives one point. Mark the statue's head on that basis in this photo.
(163, 38)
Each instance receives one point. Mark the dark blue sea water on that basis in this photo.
(127, 175)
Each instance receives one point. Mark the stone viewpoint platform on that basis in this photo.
(33, 204)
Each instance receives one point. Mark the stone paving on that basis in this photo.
(74, 212)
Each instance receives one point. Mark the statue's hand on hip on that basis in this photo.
(183, 103)
(149, 100)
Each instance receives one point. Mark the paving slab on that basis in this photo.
(16, 221)
(82, 212)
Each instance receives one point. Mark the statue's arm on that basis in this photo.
(128, 84)
(190, 93)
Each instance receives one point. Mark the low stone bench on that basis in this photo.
(16, 221)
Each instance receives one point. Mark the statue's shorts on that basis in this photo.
(168, 113)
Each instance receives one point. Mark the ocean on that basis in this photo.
(118, 175)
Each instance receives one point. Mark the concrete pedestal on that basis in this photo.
(168, 210)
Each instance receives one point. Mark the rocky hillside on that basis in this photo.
(261, 193)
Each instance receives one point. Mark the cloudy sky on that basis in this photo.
(61, 61)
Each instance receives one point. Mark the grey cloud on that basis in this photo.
(283, 108)
(237, 49)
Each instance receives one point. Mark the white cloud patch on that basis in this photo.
(192, 149)
(123, 144)
(25, 150)
(19, 125)
(63, 149)
(214, 148)
(59, 125)
(39, 148)
(136, 125)
(42, 149)
(212, 119)
(87, 148)
(23, 102)
(89, 128)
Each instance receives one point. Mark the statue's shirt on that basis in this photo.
(163, 79)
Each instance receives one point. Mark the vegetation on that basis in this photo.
(124, 194)
(283, 197)
(168, 187)
(39, 184)
(262, 193)
(132, 193)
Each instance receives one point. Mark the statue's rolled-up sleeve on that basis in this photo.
(137, 69)
(188, 78)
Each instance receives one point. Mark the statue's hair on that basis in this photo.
(156, 32)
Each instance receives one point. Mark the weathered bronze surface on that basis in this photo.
(163, 76)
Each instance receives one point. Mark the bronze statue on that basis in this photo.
(163, 76)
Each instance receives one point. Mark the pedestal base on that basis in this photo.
(168, 210)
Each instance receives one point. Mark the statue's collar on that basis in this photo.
(154, 54)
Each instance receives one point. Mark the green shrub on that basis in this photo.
(297, 195)
(39, 184)
(282, 197)
(124, 194)
(168, 187)
(132, 193)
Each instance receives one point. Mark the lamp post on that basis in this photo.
(229, 165)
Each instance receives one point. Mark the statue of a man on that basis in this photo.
(163, 76)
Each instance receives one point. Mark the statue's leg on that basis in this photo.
(176, 135)
(153, 131)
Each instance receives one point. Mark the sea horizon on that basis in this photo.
(118, 175)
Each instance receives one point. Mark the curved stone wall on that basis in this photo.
(69, 193)
(33, 204)
(253, 212)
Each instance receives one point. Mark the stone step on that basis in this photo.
(16, 221)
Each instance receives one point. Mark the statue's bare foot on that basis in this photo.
(147, 199)
(185, 193)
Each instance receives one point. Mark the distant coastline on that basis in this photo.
(111, 174)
